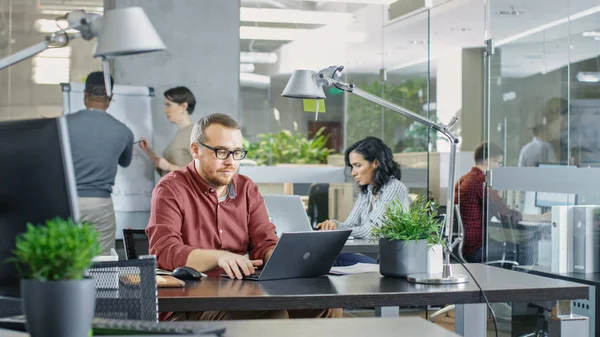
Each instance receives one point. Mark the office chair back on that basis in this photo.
(135, 242)
(318, 203)
(126, 289)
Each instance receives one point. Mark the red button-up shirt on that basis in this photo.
(185, 214)
(470, 194)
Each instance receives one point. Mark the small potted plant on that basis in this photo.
(52, 259)
(409, 240)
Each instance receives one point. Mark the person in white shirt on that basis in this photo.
(536, 151)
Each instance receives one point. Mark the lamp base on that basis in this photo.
(437, 279)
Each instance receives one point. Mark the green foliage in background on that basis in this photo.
(401, 133)
(417, 223)
(288, 147)
(59, 250)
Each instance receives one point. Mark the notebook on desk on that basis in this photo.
(303, 254)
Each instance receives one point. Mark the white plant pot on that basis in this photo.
(435, 259)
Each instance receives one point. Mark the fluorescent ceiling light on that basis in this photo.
(292, 34)
(549, 25)
(51, 26)
(65, 9)
(272, 34)
(591, 34)
(589, 77)
(254, 80)
(246, 67)
(258, 57)
(248, 14)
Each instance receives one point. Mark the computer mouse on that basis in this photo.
(186, 274)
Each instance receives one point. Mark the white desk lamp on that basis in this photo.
(124, 31)
(309, 84)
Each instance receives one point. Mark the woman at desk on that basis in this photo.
(378, 177)
(179, 105)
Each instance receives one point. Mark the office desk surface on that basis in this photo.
(364, 290)
(347, 327)
(361, 246)
(592, 279)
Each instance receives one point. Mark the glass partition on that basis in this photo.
(541, 112)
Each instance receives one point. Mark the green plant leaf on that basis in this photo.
(419, 222)
(59, 250)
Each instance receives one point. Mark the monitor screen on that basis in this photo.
(549, 199)
(37, 183)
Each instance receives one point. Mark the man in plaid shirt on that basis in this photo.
(472, 196)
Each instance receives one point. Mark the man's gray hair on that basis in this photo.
(215, 118)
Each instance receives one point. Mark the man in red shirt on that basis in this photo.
(473, 196)
(206, 216)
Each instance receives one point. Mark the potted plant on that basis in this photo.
(52, 259)
(409, 240)
(288, 147)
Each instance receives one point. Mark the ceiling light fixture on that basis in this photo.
(258, 57)
(588, 76)
(591, 34)
(292, 34)
(248, 14)
(247, 67)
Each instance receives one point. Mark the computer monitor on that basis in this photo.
(546, 200)
(37, 182)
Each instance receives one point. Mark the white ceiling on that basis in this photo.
(401, 45)
(461, 24)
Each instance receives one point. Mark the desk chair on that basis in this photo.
(135, 242)
(318, 203)
(126, 289)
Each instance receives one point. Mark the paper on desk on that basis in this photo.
(358, 268)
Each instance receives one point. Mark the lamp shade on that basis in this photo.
(127, 31)
(302, 85)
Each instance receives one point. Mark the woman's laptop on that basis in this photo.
(303, 254)
(287, 213)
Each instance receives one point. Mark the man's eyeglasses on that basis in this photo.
(224, 154)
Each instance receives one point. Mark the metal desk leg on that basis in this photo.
(563, 323)
(387, 312)
(470, 320)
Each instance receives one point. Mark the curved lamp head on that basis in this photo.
(304, 84)
(127, 31)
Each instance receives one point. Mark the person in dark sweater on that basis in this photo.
(99, 144)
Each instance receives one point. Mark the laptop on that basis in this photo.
(287, 213)
(303, 254)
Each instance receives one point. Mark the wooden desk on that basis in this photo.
(347, 327)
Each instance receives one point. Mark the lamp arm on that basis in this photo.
(443, 129)
(57, 37)
(88, 25)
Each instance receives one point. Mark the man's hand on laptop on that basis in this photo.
(327, 225)
(235, 266)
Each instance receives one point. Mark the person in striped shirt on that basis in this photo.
(378, 177)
